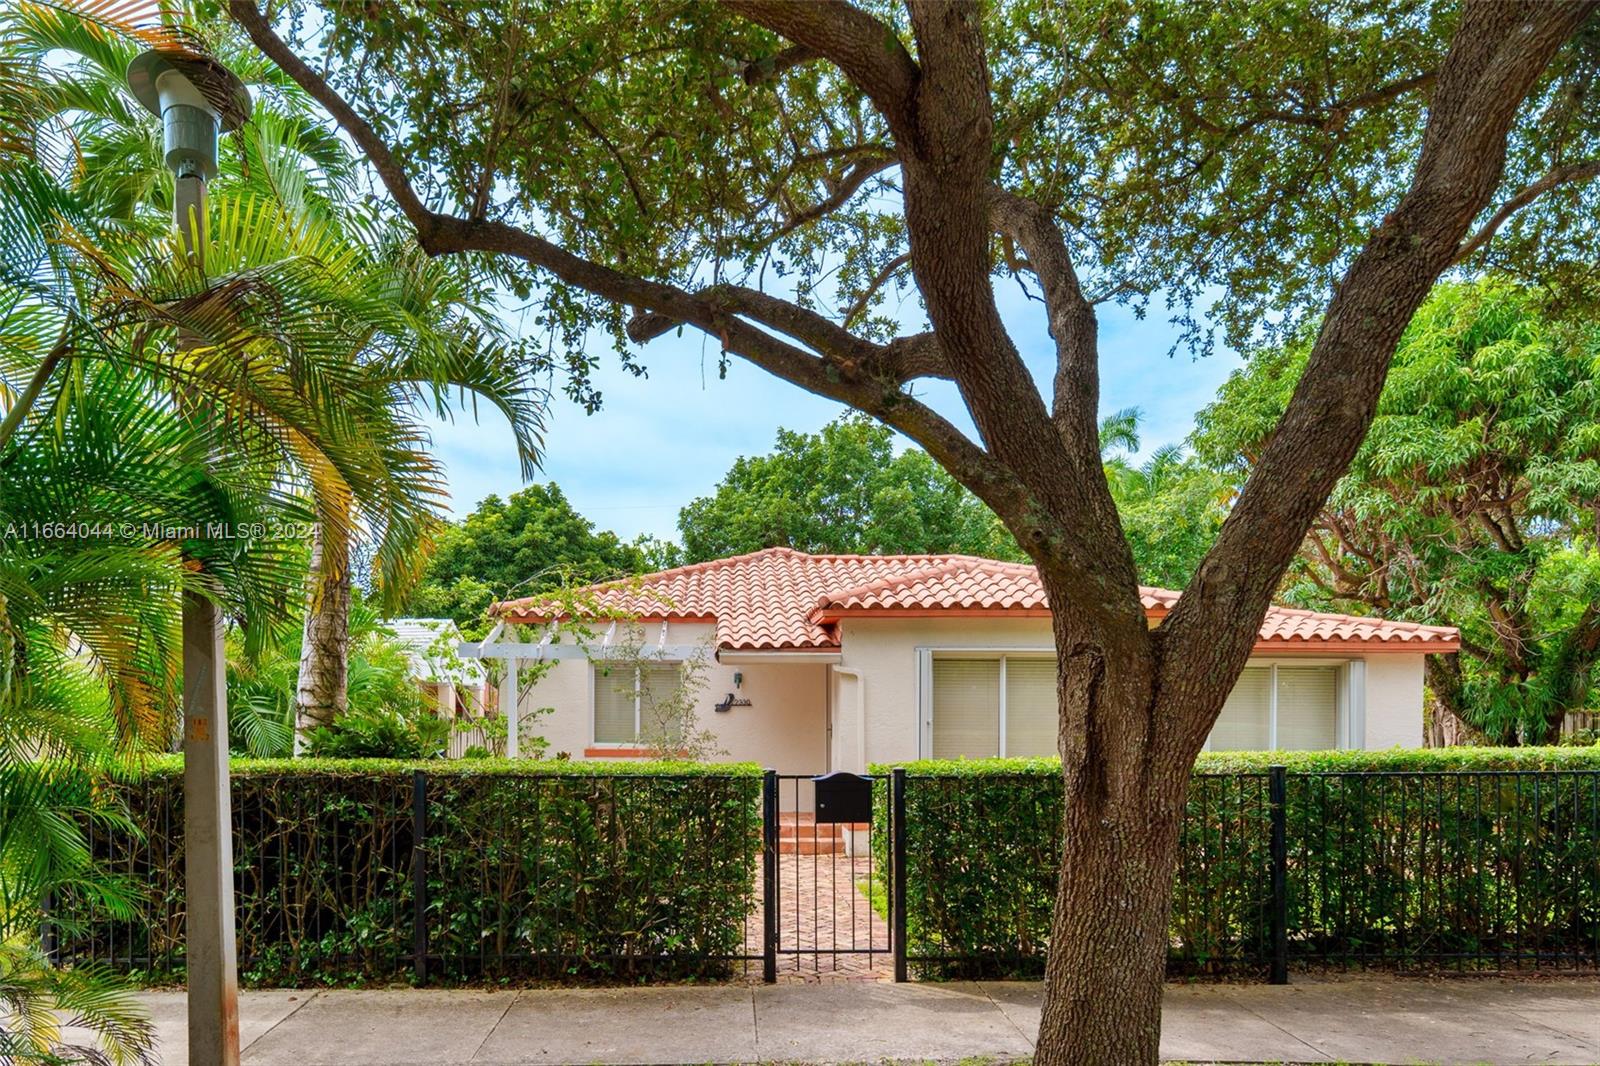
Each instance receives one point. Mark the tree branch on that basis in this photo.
(1524, 196)
(866, 50)
(845, 370)
(859, 306)
(839, 195)
(1071, 316)
(1498, 52)
(771, 68)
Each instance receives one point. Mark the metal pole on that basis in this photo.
(419, 876)
(207, 804)
(195, 100)
(769, 876)
(1277, 799)
(897, 868)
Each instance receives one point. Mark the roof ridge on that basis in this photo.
(889, 581)
(1367, 619)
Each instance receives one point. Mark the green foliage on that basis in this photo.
(572, 871)
(530, 542)
(1406, 869)
(843, 490)
(1471, 502)
(44, 854)
(1171, 505)
(1235, 154)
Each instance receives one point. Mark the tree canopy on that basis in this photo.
(843, 489)
(1472, 502)
(531, 541)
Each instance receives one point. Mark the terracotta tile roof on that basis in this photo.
(781, 599)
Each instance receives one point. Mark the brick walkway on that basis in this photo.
(822, 904)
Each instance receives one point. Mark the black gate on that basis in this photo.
(828, 892)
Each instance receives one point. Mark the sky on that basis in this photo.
(660, 441)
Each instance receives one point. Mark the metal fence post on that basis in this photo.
(419, 876)
(1277, 798)
(897, 868)
(769, 876)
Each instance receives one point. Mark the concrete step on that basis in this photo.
(810, 847)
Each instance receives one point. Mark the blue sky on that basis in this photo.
(660, 441)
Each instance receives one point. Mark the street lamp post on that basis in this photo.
(196, 98)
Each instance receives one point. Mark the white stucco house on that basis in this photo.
(456, 684)
(833, 662)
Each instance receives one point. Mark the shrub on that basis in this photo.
(567, 870)
(1456, 857)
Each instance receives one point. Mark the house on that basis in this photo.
(814, 663)
(456, 685)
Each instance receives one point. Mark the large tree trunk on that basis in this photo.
(1108, 938)
(320, 697)
(1447, 726)
(1125, 775)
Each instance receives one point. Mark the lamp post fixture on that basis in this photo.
(196, 98)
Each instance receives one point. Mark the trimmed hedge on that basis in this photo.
(1460, 858)
(552, 870)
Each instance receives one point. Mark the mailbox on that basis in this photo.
(843, 797)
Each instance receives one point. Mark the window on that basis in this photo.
(630, 700)
(998, 705)
(1282, 707)
(982, 705)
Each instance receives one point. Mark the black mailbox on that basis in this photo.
(843, 797)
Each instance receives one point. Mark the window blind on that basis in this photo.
(966, 708)
(1308, 707)
(660, 685)
(1031, 714)
(614, 702)
(1242, 726)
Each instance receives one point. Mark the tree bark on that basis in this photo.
(1119, 842)
(321, 695)
(1108, 937)
(1448, 727)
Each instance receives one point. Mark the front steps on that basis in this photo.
(799, 834)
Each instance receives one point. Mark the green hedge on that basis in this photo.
(557, 870)
(1461, 858)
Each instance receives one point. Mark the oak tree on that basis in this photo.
(764, 171)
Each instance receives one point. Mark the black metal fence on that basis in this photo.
(352, 877)
(459, 876)
(1462, 870)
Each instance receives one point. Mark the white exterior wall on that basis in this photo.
(882, 653)
(785, 726)
(1394, 700)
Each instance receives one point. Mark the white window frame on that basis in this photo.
(925, 657)
(1349, 724)
(1350, 727)
(638, 694)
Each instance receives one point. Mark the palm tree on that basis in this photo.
(409, 329)
(290, 406)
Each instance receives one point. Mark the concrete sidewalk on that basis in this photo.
(1356, 1020)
